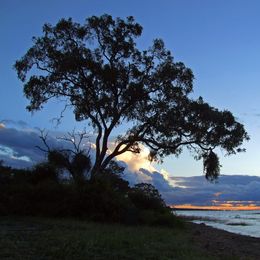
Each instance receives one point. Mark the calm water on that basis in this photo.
(241, 222)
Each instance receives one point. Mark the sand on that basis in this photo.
(224, 244)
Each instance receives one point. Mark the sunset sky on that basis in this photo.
(218, 40)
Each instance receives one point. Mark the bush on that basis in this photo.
(104, 201)
(168, 219)
(44, 172)
(105, 198)
(145, 196)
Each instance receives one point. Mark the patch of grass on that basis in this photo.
(41, 238)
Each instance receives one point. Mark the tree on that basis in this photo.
(108, 81)
(76, 161)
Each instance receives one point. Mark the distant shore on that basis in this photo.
(221, 243)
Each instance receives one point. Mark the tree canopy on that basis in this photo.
(107, 81)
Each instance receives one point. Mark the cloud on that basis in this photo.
(16, 124)
(197, 191)
(18, 149)
(137, 161)
(16, 144)
(139, 169)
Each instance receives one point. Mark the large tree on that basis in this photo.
(108, 81)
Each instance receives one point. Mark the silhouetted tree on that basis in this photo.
(108, 81)
(75, 161)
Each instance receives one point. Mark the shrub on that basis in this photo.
(105, 198)
(44, 172)
(146, 196)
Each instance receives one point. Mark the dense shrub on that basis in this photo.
(107, 197)
(146, 196)
(44, 172)
(5, 174)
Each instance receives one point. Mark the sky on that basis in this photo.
(218, 40)
(19, 149)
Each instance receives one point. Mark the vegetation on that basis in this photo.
(107, 81)
(75, 161)
(105, 198)
(38, 238)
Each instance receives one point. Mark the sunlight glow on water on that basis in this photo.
(240, 222)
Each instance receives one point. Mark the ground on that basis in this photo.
(41, 238)
(224, 244)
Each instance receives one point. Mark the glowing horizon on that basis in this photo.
(221, 206)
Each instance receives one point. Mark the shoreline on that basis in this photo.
(39, 237)
(221, 243)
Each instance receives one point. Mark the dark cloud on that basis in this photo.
(197, 190)
(16, 163)
(158, 180)
(18, 149)
(18, 143)
(228, 188)
(143, 175)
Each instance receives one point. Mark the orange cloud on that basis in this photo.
(137, 161)
(221, 206)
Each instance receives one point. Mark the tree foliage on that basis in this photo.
(75, 160)
(107, 81)
(76, 164)
(211, 166)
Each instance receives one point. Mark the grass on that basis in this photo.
(41, 238)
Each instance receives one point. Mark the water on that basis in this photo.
(240, 222)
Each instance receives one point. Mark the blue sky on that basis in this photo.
(218, 40)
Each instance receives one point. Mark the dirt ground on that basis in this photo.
(221, 243)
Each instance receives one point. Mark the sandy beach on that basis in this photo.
(224, 244)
